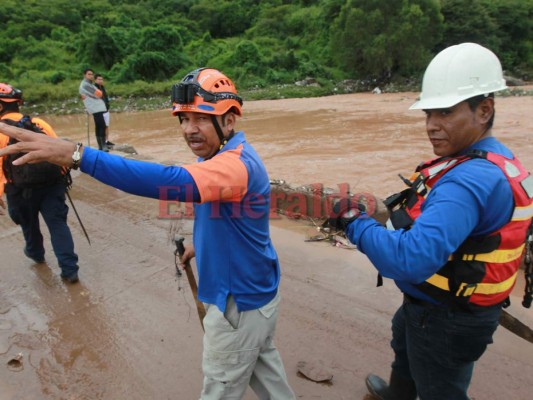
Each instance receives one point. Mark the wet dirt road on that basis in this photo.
(129, 329)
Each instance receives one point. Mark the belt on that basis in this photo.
(470, 307)
(419, 302)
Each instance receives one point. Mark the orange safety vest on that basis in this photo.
(4, 141)
(481, 271)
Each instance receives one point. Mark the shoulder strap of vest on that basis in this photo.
(25, 122)
(476, 153)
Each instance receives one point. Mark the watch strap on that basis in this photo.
(76, 156)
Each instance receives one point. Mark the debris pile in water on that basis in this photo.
(313, 203)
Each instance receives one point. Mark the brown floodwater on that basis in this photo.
(129, 330)
(362, 139)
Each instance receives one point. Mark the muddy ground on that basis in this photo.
(129, 329)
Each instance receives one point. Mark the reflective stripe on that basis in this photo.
(439, 281)
(527, 185)
(496, 256)
(432, 171)
(511, 170)
(523, 213)
(468, 289)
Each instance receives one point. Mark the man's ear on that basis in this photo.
(485, 110)
(229, 120)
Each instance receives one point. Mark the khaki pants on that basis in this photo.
(239, 351)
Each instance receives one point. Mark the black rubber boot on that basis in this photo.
(399, 388)
(101, 143)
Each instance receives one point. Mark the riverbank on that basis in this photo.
(304, 89)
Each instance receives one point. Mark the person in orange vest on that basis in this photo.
(36, 189)
(456, 234)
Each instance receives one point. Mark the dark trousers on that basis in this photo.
(438, 346)
(24, 206)
(99, 126)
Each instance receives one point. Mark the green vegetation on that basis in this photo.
(143, 46)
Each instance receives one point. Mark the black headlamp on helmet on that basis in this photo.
(183, 93)
(205, 90)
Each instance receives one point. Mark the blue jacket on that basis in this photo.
(231, 191)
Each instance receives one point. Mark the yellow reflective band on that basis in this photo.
(468, 289)
(522, 213)
(496, 256)
(439, 281)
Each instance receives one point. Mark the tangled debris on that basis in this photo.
(313, 203)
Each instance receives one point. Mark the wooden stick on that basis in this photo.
(192, 280)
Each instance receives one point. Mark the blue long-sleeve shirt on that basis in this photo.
(231, 192)
(140, 177)
(471, 200)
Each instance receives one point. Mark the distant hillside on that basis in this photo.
(142, 46)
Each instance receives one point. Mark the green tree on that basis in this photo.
(45, 60)
(160, 38)
(272, 21)
(257, 42)
(514, 19)
(204, 49)
(97, 47)
(148, 66)
(157, 56)
(378, 38)
(468, 21)
(223, 18)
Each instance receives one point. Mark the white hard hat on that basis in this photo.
(458, 73)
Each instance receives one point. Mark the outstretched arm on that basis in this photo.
(38, 148)
(132, 176)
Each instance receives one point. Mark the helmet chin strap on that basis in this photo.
(223, 140)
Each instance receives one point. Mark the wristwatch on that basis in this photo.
(76, 156)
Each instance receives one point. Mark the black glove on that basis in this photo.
(344, 212)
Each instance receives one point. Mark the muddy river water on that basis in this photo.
(363, 139)
(129, 330)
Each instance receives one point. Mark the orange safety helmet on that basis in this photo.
(9, 94)
(207, 91)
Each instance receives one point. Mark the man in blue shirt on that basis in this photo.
(457, 233)
(238, 267)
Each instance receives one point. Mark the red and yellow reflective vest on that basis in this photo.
(481, 271)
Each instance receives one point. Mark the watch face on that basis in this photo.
(351, 213)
